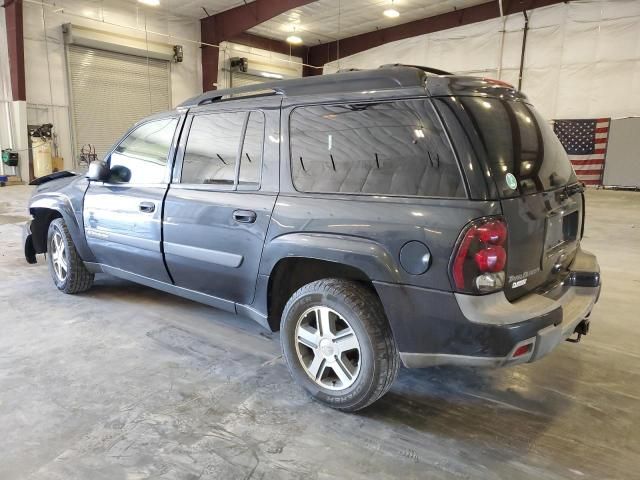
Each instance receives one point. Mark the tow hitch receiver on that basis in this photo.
(581, 329)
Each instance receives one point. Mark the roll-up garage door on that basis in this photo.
(240, 79)
(111, 91)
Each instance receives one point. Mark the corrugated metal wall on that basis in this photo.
(240, 79)
(111, 91)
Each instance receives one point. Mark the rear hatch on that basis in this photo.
(541, 199)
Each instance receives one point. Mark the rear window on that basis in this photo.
(390, 148)
(523, 153)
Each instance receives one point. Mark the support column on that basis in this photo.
(15, 44)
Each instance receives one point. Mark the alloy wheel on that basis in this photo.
(327, 348)
(58, 257)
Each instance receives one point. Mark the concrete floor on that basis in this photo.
(125, 382)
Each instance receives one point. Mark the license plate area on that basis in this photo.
(561, 229)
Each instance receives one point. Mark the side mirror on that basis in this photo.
(120, 174)
(98, 171)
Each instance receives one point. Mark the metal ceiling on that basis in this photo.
(320, 21)
(196, 8)
(326, 20)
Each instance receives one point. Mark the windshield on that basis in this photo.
(522, 152)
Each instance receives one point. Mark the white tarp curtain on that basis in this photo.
(582, 58)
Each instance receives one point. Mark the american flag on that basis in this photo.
(586, 144)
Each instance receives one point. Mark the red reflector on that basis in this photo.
(522, 349)
(491, 259)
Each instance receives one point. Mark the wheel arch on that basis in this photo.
(44, 211)
(42, 218)
(293, 260)
(292, 273)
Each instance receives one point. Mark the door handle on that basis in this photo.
(147, 207)
(244, 216)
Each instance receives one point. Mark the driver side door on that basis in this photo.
(123, 216)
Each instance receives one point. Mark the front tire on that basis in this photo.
(65, 265)
(338, 344)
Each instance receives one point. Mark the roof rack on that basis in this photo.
(395, 76)
(435, 71)
(228, 94)
(344, 70)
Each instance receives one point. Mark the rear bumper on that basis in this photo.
(440, 328)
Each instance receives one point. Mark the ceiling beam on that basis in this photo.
(319, 55)
(233, 23)
(15, 46)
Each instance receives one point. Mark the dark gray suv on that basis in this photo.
(397, 215)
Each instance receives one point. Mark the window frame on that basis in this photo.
(438, 121)
(184, 140)
(170, 154)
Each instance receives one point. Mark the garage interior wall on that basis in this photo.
(46, 67)
(259, 61)
(582, 58)
(623, 153)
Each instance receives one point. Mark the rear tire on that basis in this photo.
(338, 344)
(65, 265)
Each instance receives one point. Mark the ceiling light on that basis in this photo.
(294, 40)
(391, 13)
(152, 3)
(271, 75)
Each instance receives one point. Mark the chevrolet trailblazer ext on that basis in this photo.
(373, 217)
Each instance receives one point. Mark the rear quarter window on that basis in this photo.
(390, 148)
(518, 143)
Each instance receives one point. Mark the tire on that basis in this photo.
(76, 278)
(350, 378)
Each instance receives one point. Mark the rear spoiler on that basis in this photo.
(52, 176)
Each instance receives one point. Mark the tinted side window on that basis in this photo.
(251, 158)
(392, 148)
(212, 148)
(142, 156)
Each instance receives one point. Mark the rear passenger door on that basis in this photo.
(219, 205)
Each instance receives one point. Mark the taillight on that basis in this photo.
(480, 257)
